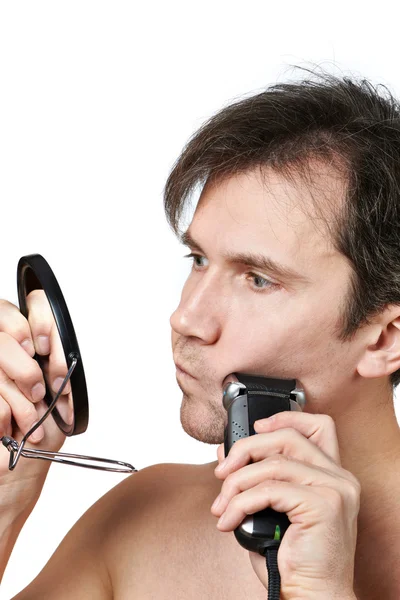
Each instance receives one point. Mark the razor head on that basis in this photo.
(299, 396)
(232, 390)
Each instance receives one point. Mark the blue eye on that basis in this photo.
(262, 279)
(266, 283)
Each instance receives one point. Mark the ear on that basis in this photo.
(382, 355)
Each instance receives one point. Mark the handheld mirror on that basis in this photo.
(66, 394)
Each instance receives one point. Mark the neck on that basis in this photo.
(367, 430)
(369, 441)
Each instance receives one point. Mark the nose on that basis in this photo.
(200, 313)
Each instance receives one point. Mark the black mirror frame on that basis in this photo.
(34, 272)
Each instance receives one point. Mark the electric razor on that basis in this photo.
(248, 398)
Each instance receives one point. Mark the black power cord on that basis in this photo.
(274, 578)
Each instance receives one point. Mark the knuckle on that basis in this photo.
(336, 501)
(28, 413)
(235, 503)
(230, 484)
(4, 378)
(276, 459)
(4, 337)
(293, 436)
(33, 373)
(21, 331)
(269, 484)
(354, 491)
(5, 412)
(235, 450)
(17, 327)
(353, 481)
(328, 422)
(238, 445)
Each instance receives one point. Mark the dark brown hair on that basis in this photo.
(345, 122)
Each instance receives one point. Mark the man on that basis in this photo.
(295, 274)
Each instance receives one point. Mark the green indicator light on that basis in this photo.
(277, 535)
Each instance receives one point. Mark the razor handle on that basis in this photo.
(246, 401)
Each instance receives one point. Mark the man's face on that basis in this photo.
(236, 318)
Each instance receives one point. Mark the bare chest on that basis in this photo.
(377, 558)
(376, 573)
(197, 562)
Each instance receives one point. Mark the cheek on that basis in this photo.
(283, 338)
(260, 341)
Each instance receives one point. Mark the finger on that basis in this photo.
(301, 504)
(55, 369)
(319, 429)
(41, 319)
(51, 428)
(14, 324)
(47, 339)
(5, 418)
(283, 441)
(65, 407)
(279, 468)
(23, 411)
(57, 365)
(220, 453)
(15, 364)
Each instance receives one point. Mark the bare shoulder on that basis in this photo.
(147, 519)
(151, 536)
(139, 504)
(140, 493)
(104, 548)
(161, 539)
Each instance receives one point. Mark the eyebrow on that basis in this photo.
(253, 260)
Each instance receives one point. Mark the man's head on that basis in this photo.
(307, 175)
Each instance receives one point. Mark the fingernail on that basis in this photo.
(57, 383)
(263, 422)
(216, 502)
(43, 344)
(221, 520)
(38, 391)
(38, 434)
(28, 346)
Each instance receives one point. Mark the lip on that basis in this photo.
(184, 371)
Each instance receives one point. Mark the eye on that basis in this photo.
(194, 257)
(262, 284)
(265, 283)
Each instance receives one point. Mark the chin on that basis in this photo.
(203, 422)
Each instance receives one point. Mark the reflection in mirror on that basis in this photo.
(52, 360)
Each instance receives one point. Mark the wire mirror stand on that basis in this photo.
(17, 450)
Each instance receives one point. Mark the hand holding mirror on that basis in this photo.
(66, 393)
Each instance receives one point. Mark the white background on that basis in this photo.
(97, 99)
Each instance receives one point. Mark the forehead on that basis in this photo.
(266, 212)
